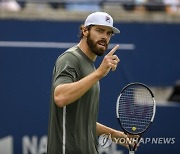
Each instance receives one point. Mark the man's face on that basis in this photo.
(98, 39)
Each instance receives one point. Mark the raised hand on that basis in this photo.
(109, 62)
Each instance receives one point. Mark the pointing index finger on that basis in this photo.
(113, 50)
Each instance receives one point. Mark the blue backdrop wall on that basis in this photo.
(149, 53)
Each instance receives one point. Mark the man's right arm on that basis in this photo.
(67, 93)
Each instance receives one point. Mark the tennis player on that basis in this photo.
(73, 126)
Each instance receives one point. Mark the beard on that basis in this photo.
(94, 47)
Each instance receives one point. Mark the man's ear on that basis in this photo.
(85, 31)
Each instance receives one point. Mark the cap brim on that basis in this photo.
(115, 30)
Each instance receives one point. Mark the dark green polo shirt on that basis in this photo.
(72, 128)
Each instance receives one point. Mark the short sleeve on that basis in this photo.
(66, 69)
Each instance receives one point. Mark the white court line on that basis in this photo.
(19, 44)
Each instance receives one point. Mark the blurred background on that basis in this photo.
(33, 33)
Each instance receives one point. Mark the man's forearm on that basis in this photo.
(102, 129)
(114, 134)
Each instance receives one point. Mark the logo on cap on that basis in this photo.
(108, 19)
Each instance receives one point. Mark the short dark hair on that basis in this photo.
(80, 35)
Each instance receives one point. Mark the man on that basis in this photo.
(73, 126)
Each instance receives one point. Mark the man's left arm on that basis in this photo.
(115, 134)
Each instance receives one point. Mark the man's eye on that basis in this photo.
(110, 34)
(100, 30)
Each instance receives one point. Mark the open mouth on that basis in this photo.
(102, 43)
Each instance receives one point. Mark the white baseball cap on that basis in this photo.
(102, 19)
